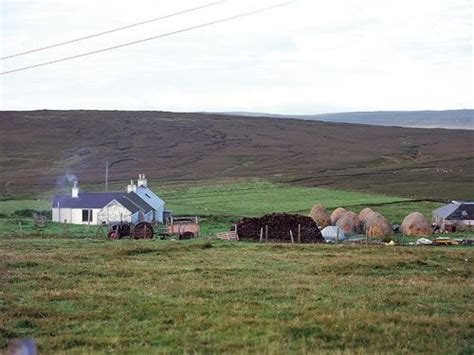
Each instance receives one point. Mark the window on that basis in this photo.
(86, 215)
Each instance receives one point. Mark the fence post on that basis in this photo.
(65, 228)
(299, 233)
(291, 235)
(21, 229)
(261, 234)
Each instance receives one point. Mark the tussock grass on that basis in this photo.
(211, 296)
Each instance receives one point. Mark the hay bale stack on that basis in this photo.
(364, 214)
(376, 225)
(337, 213)
(320, 215)
(415, 224)
(349, 223)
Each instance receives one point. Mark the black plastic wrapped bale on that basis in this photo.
(276, 228)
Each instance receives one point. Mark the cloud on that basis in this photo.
(310, 57)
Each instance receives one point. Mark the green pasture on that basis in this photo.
(202, 296)
(220, 205)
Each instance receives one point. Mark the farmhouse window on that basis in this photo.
(86, 215)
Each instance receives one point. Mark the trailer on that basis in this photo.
(181, 227)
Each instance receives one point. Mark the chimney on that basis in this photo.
(75, 190)
(131, 187)
(142, 181)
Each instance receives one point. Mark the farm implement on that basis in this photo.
(180, 227)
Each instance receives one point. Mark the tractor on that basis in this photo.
(141, 230)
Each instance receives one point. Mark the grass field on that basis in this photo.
(223, 203)
(75, 291)
(209, 296)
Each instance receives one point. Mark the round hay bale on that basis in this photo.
(337, 213)
(364, 222)
(415, 224)
(364, 213)
(377, 225)
(349, 223)
(320, 215)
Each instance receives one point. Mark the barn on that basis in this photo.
(137, 204)
(455, 216)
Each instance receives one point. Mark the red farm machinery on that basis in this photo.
(180, 227)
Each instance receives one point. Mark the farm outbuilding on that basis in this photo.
(455, 216)
(137, 204)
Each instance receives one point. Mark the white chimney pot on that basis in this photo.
(142, 181)
(131, 187)
(75, 191)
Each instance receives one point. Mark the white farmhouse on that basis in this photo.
(137, 204)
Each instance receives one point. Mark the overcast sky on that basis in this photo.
(312, 56)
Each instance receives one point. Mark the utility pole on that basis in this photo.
(107, 175)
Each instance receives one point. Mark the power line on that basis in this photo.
(149, 38)
(112, 30)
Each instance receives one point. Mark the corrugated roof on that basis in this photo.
(445, 211)
(86, 200)
(456, 211)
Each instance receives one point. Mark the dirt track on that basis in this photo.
(38, 147)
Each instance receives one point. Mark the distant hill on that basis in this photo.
(37, 148)
(451, 119)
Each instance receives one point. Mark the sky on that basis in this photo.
(309, 57)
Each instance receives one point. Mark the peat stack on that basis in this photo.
(279, 227)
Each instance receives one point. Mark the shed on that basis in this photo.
(455, 216)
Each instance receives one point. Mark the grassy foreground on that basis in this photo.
(210, 296)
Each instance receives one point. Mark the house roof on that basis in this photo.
(86, 200)
(456, 210)
(150, 198)
(128, 204)
(134, 203)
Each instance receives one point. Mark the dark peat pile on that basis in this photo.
(279, 227)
